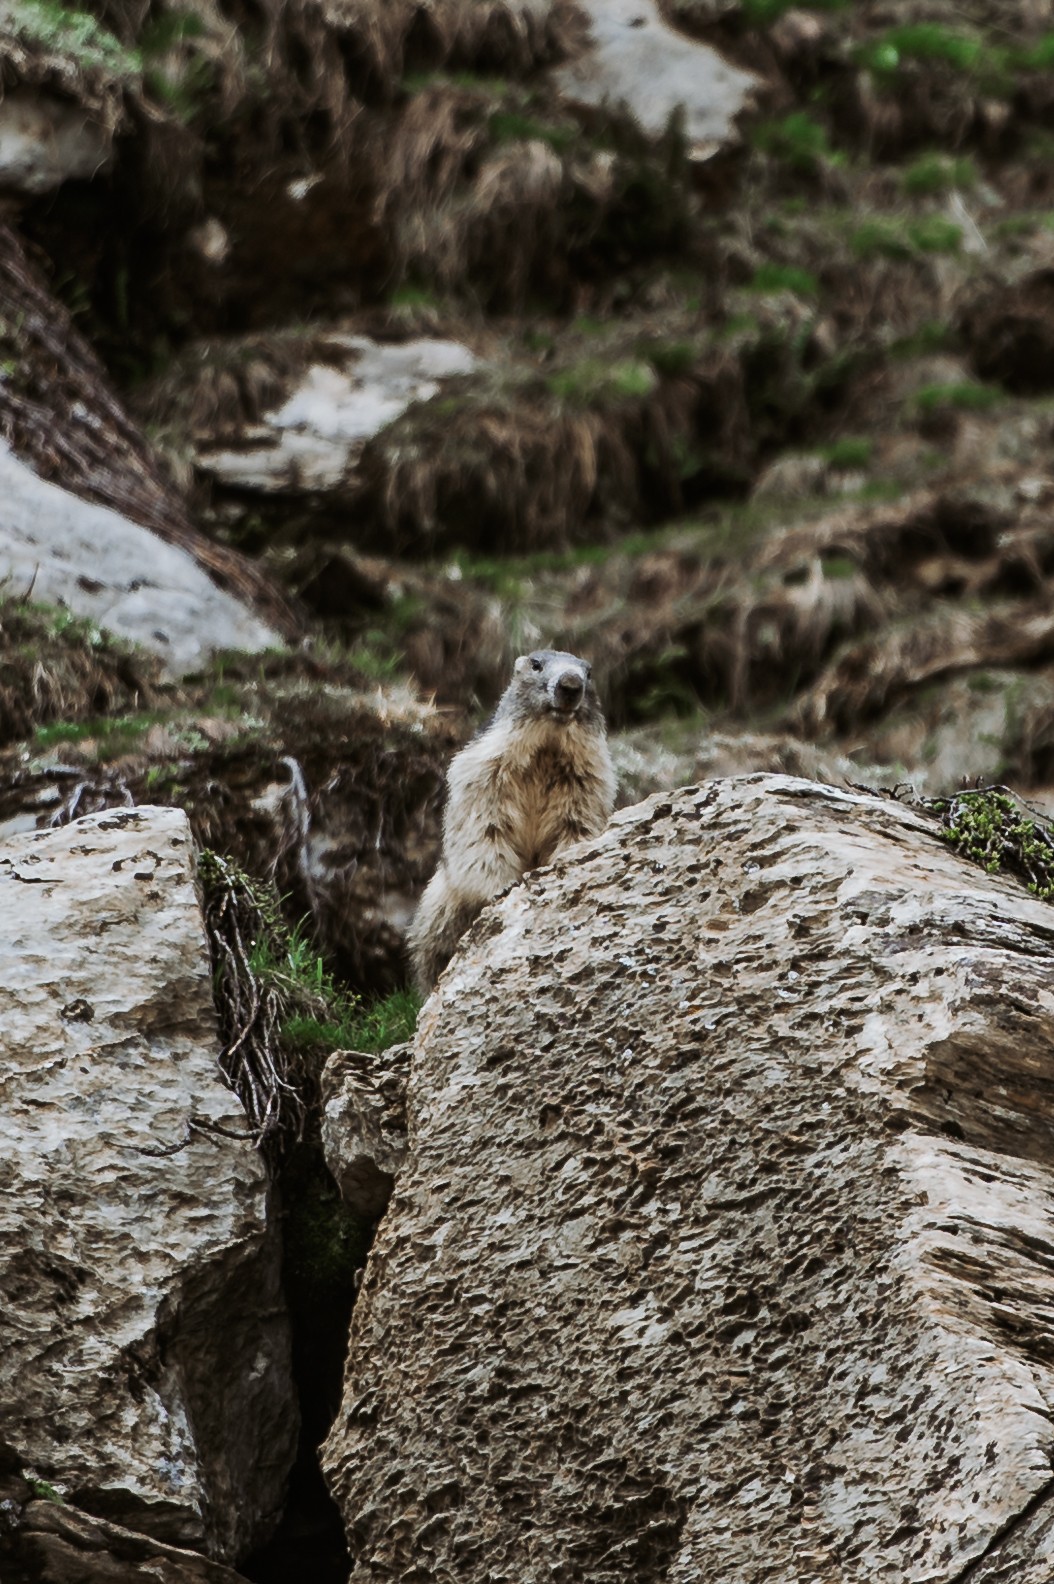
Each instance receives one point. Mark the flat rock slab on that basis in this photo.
(144, 1348)
(724, 1250)
(312, 440)
(634, 58)
(99, 565)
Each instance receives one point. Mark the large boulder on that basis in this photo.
(722, 1252)
(144, 1343)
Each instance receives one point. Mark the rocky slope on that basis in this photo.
(349, 349)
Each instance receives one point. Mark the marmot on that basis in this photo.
(537, 778)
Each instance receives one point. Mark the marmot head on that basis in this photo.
(554, 685)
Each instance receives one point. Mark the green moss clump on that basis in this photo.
(991, 827)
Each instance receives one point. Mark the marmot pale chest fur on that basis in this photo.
(536, 779)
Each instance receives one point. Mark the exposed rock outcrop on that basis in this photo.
(723, 1248)
(97, 564)
(51, 1543)
(636, 59)
(364, 1125)
(144, 1347)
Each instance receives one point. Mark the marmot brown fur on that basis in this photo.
(536, 779)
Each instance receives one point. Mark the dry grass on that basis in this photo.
(529, 467)
(55, 669)
(870, 677)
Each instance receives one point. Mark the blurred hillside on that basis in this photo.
(433, 349)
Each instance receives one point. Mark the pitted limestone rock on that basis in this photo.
(144, 1347)
(364, 1124)
(723, 1250)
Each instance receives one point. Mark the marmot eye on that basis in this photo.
(536, 665)
(589, 672)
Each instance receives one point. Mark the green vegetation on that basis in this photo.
(1040, 57)
(938, 173)
(672, 359)
(64, 30)
(935, 234)
(113, 735)
(511, 126)
(770, 277)
(921, 41)
(386, 1022)
(375, 655)
(282, 1011)
(797, 140)
(45, 1492)
(991, 827)
(762, 13)
(178, 77)
(410, 296)
(594, 381)
(965, 395)
(850, 452)
(882, 238)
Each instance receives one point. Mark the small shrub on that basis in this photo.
(991, 827)
(280, 1008)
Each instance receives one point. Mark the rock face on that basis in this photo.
(723, 1251)
(144, 1348)
(45, 140)
(312, 440)
(364, 1125)
(98, 564)
(55, 1544)
(636, 59)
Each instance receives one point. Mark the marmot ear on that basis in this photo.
(521, 665)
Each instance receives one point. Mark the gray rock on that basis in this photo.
(45, 140)
(312, 440)
(56, 1544)
(364, 1125)
(634, 58)
(97, 564)
(144, 1346)
(723, 1249)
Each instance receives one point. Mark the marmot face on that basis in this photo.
(552, 685)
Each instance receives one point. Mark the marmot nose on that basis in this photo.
(569, 689)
